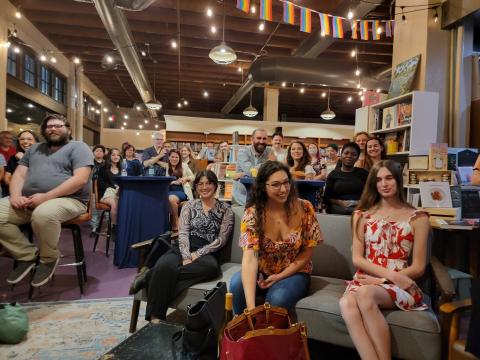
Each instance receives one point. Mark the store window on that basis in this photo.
(59, 88)
(45, 80)
(11, 62)
(29, 70)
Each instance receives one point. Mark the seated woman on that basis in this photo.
(205, 227)
(299, 161)
(26, 138)
(180, 189)
(386, 232)
(278, 236)
(188, 158)
(344, 186)
(134, 166)
(374, 152)
(361, 138)
(107, 187)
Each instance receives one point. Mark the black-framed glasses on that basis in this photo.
(54, 126)
(277, 185)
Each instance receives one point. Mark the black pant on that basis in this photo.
(169, 278)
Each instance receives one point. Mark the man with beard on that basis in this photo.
(50, 185)
(255, 155)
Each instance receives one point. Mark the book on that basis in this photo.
(406, 146)
(463, 224)
(435, 194)
(404, 114)
(403, 76)
(230, 171)
(391, 143)
(390, 117)
(401, 141)
(438, 156)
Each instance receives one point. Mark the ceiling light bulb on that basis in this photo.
(76, 60)
(322, 34)
(284, 84)
(362, 97)
(378, 90)
(379, 30)
(209, 12)
(9, 110)
(350, 14)
(360, 93)
(359, 86)
(253, 9)
(7, 44)
(261, 26)
(357, 72)
(179, 105)
(105, 109)
(138, 107)
(205, 94)
(110, 118)
(16, 50)
(145, 121)
(324, 94)
(143, 53)
(239, 69)
(137, 133)
(156, 126)
(140, 126)
(97, 111)
(302, 90)
(250, 111)
(125, 116)
(185, 102)
(349, 99)
(30, 106)
(353, 53)
(124, 123)
(173, 44)
(109, 59)
(213, 29)
(99, 102)
(122, 128)
(18, 14)
(43, 58)
(53, 59)
(29, 119)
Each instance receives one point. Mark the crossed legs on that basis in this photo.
(365, 322)
(174, 202)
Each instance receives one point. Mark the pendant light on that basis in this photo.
(223, 54)
(250, 111)
(328, 114)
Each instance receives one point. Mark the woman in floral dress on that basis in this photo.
(387, 231)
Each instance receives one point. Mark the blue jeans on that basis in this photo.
(284, 293)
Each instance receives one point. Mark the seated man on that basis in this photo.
(50, 185)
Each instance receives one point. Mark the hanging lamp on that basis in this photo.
(328, 114)
(250, 111)
(223, 54)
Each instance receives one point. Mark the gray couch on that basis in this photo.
(415, 334)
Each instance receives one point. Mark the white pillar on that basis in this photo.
(270, 104)
(80, 103)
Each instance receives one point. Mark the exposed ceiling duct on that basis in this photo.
(119, 31)
(313, 46)
(129, 5)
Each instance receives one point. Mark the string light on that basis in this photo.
(213, 29)
(145, 121)
(125, 117)
(156, 126)
(18, 14)
(379, 30)
(76, 60)
(205, 94)
(173, 44)
(140, 126)
(43, 58)
(284, 84)
(143, 53)
(357, 72)
(362, 97)
(138, 107)
(109, 59)
(350, 14)
(324, 94)
(7, 44)
(105, 110)
(179, 105)
(349, 99)
(253, 9)
(122, 128)
(435, 17)
(99, 102)
(360, 93)
(185, 102)
(261, 26)
(302, 90)
(404, 18)
(209, 12)
(378, 90)
(16, 50)
(353, 53)
(124, 123)
(359, 86)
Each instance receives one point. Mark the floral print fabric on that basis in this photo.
(276, 255)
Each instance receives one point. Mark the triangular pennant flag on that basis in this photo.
(337, 23)
(376, 30)
(354, 25)
(364, 30)
(306, 20)
(389, 28)
(288, 13)
(243, 5)
(266, 10)
(324, 23)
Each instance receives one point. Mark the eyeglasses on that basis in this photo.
(54, 126)
(278, 185)
(204, 184)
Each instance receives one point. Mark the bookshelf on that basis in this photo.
(225, 172)
(407, 124)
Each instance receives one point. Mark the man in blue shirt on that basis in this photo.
(156, 155)
(254, 155)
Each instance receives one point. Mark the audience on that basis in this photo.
(188, 158)
(205, 227)
(277, 147)
(180, 189)
(476, 172)
(156, 155)
(299, 161)
(374, 152)
(387, 231)
(344, 185)
(26, 139)
(333, 161)
(134, 167)
(50, 185)
(107, 187)
(168, 146)
(7, 149)
(98, 158)
(254, 155)
(278, 234)
(361, 138)
(208, 152)
(224, 148)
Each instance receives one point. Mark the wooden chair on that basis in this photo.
(74, 226)
(105, 209)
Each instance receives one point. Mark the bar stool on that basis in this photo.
(105, 209)
(74, 226)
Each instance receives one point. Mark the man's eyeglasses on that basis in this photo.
(278, 185)
(54, 126)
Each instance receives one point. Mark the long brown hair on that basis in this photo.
(259, 195)
(371, 197)
(368, 164)
(178, 171)
(304, 161)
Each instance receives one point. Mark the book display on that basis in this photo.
(225, 172)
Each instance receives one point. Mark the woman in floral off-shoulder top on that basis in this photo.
(387, 231)
(278, 235)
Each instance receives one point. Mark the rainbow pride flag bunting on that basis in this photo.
(337, 27)
(306, 20)
(375, 30)
(389, 28)
(243, 5)
(364, 30)
(266, 10)
(324, 23)
(288, 13)
(354, 25)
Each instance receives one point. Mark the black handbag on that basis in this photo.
(204, 320)
(159, 246)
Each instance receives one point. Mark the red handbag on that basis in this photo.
(265, 333)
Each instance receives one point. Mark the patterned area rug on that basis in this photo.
(82, 329)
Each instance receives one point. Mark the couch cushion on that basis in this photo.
(415, 334)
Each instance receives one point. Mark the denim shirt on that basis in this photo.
(248, 158)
